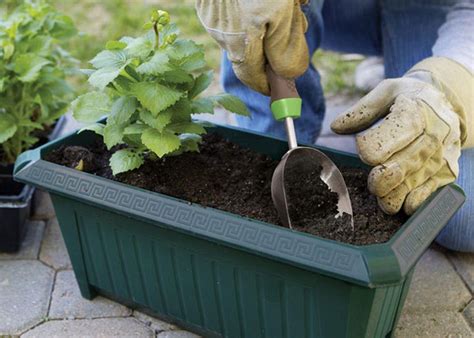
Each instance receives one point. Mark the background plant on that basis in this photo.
(33, 68)
(148, 87)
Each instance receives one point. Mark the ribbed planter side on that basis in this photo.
(212, 289)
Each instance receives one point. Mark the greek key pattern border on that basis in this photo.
(204, 221)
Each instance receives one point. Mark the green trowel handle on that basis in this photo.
(286, 101)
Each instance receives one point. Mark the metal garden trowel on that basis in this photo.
(286, 106)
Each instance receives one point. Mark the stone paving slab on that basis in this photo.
(464, 264)
(469, 314)
(42, 206)
(104, 327)
(31, 243)
(436, 286)
(154, 323)
(440, 324)
(53, 251)
(67, 301)
(25, 290)
(177, 334)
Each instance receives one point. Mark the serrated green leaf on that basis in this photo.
(91, 106)
(8, 127)
(193, 62)
(113, 134)
(136, 128)
(123, 109)
(160, 143)
(113, 44)
(109, 64)
(125, 160)
(202, 106)
(231, 103)
(200, 84)
(97, 128)
(186, 128)
(159, 122)
(157, 65)
(168, 30)
(182, 49)
(140, 47)
(155, 97)
(177, 76)
(28, 66)
(102, 77)
(113, 59)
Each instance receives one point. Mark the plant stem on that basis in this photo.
(157, 34)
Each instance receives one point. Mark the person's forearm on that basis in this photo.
(456, 37)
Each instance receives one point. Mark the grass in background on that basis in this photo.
(103, 20)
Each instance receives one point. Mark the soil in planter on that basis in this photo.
(228, 177)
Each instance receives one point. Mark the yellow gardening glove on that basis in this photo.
(415, 149)
(256, 32)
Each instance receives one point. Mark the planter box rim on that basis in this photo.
(359, 264)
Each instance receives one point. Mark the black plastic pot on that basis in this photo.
(15, 202)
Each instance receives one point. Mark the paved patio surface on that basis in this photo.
(39, 296)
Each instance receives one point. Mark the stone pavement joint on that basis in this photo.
(464, 265)
(53, 251)
(155, 324)
(436, 286)
(25, 289)
(469, 314)
(68, 303)
(104, 327)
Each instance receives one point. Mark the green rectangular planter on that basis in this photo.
(220, 274)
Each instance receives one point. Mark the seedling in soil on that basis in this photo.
(149, 87)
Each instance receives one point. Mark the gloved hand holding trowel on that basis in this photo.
(427, 105)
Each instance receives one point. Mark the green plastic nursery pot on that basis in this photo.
(220, 274)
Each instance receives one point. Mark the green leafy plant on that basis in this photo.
(33, 69)
(148, 87)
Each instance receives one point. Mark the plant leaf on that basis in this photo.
(97, 128)
(113, 44)
(28, 66)
(91, 106)
(125, 160)
(136, 128)
(177, 76)
(202, 106)
(113, 134)
(123, 109)
(8, 127)
(160, 143)
(193, 62)
(140, 47)
(186, 128)
(115, 59)
(102, 77)
(231, 103)
(157, 65)
(200, 84)
(159, 122)
(155, 97)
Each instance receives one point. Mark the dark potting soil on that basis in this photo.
(228, 177)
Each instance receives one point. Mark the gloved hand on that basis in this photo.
(255, 33)
(415, 149)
